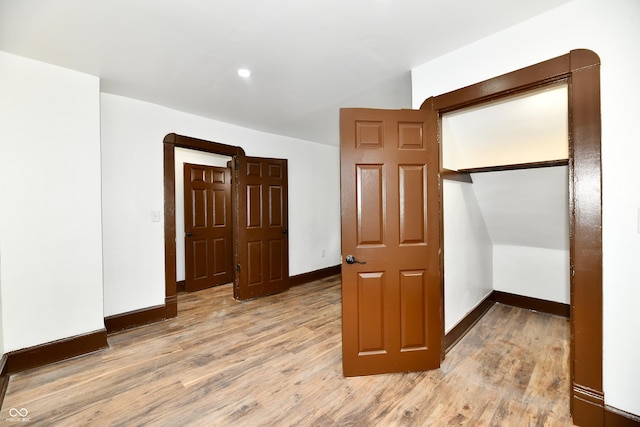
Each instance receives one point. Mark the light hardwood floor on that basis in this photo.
(276, 361)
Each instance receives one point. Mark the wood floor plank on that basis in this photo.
(276, 361)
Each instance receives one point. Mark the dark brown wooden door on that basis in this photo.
(207, 226)
(390, 220)
(263, 240)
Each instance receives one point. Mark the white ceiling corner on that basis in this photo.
(308, 58)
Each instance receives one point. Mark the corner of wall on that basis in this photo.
(468, 269)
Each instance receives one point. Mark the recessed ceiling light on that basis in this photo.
(243, 72)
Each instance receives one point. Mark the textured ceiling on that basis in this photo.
(308, 58)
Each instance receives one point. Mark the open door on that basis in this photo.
(391, 288)
(263, 259)
(207, 226)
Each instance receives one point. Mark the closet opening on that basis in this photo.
(506, 205)
(580, 69)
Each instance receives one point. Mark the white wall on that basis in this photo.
(612, 30)
(526, 207)
(183, 156)
(508, 231)
(533, 272)
(468, 272)
(527, 215)
(50, 224)
(132, 135)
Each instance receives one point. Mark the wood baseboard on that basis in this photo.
(465, 325)
(135, 318)
(543, 306)
(4, 378)
(303, 278)
(180, 286)
(614, 417)
(55, 351)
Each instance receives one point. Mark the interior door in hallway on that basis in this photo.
(391, 289)
(208, 232)
(263, 241)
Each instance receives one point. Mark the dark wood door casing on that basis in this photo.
(238, 197)
(208, 231)
(581, 70)
(389, 203)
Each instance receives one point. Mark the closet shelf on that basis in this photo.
(531, 165)
(455, 175)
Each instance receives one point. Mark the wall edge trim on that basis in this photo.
(133, 319)
(55, 351)
(530, 303)
(4, 379)
(300, 279)
(614, 417)
(467, 323)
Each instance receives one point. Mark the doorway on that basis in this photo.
(259, 220)
(506, 227)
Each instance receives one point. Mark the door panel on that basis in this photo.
(390, 224)
(371, 288)
(264, 266)
(413, 325)
(370, 204)
(208, 232)
(413, 194)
